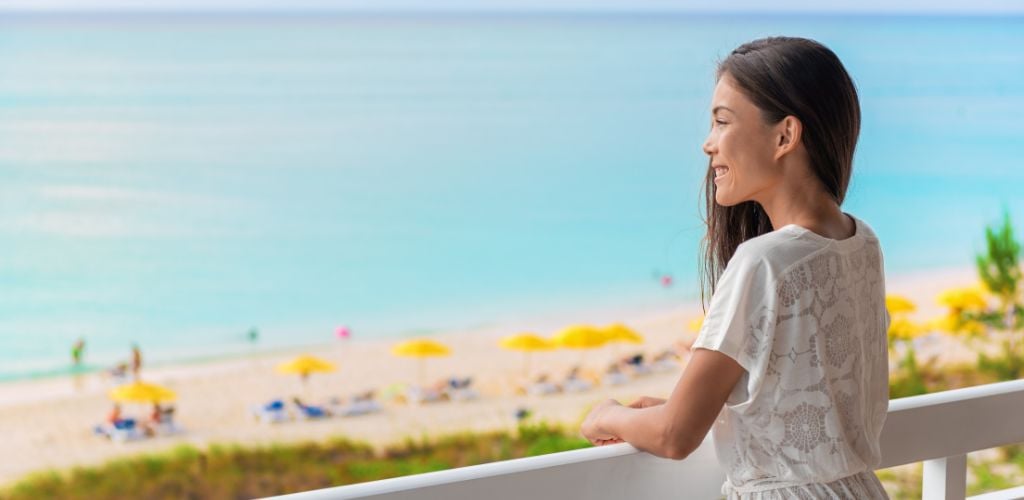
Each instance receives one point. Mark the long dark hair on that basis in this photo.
(784, 76)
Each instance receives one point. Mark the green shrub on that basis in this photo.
(232, 471)
(908, 379)
(1009, 365)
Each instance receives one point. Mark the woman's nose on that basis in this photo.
(708, 146)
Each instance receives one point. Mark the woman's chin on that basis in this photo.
(723, 200)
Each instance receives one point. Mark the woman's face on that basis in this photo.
(741, 147)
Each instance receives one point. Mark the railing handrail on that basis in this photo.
(480, 471)
(953, 422)
(956, 395)
(918, 428)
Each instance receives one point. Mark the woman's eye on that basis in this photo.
(720, 122)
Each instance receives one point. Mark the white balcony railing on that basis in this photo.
(938, 429)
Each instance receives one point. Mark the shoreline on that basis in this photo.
(16, 390)
(54, 421)
(548, 315)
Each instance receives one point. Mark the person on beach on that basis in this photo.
(136, 361)
(116, 419)
(77, 351)
(118, 371)
(156, 416)
(789, 370)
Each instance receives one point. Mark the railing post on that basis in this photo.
(945, 478)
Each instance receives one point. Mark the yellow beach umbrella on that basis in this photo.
(897, 304)
(619, 332)
(420, 348)
(695, 324)
(142, 392)
(526, 342)
(580, 337)
(304, 365)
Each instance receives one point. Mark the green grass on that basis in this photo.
(902, 483)
(229, 471)
(986, 480)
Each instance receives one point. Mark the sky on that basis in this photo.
(985, 7)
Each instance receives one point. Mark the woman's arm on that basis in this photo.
(676, 428)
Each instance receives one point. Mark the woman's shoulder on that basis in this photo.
(790, 244)
(777, 250)
(793, 240)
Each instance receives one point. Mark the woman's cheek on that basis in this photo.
(725, 144)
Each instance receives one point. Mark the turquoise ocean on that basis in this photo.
(176, 180)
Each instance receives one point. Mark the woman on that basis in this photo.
(790, 366)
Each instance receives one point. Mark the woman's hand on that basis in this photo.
(591, 427)
(646, 401)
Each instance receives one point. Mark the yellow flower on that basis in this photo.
(947, 323)
(951, 323)
(973, 327)
(984, 287)
(971, 298)
(897, 304)
(903, 329)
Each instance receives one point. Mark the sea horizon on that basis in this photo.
(177, 181)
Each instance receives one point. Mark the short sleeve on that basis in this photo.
(740, 321)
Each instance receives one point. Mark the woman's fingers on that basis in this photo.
(637, 404)
(646, 401)
(601, 442)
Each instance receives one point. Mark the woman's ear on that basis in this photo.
(788, 135)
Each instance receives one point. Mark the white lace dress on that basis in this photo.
(805, 316)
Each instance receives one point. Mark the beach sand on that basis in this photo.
(48, 423)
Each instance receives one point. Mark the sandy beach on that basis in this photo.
(48, 423)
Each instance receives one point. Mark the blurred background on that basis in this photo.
(180, 174)
(226, 184)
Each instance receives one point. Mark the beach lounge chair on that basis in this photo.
(355, 408)
(167, 428)
(124, 431)
(616, 378)
(310, 412)
(419, 395)
(313, 412)
(542, 388)
(637, 367)
(463, 394)
(575, 381)
(270, 413)
(614, 374)
(577, 385)
(460, 390)
(666, 361)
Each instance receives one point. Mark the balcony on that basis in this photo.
(938, 429)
